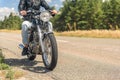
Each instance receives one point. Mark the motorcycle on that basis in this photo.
(41, 39)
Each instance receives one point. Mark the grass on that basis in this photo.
(3, 66)
(11, 31)
(10, 74)
(18, 74)
(1, 56)
(82, 33)
(91, 33)
(7, 72)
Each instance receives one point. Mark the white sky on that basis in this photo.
(5, 11)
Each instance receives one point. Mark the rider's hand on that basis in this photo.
(54, 12)
(23, 13)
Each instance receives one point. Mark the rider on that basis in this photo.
(23, 6)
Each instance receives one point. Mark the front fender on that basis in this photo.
(46, 34)
(50, 26)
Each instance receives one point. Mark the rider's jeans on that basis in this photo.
(25, 26)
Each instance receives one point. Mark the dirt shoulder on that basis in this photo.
(22, 70)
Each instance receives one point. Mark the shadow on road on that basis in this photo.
(26, 65)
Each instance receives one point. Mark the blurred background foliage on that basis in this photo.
(78, 15)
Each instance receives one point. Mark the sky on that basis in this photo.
(7, 6)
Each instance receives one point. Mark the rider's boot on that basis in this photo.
(25, 51)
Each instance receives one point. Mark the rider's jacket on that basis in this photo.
(34, 4)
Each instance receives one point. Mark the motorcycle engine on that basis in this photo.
(34, 44)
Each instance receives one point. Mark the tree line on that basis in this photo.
(11, 22)
(87, 15)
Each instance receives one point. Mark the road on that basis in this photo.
(79, 59)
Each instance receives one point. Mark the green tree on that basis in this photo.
(12, 22)
(88, 14)
(111, 10)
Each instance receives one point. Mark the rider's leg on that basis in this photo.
(25, 26)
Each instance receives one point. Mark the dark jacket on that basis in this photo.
(34, 4)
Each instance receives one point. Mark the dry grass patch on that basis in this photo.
(81, 33)
(11, 31)
(18, 74)
(3, 74)
(11, 74)
(91, 33)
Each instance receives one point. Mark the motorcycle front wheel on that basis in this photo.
(50, 55)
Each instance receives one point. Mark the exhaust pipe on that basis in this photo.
(21, 46)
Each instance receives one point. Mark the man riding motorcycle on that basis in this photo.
(23, 7)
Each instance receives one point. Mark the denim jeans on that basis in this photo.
(26, 25)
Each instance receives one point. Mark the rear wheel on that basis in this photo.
(50, 55)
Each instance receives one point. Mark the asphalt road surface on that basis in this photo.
(79, 59)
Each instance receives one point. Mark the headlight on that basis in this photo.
(45, 16)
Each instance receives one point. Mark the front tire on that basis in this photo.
(50, 46)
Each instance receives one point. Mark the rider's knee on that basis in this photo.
(26, 25)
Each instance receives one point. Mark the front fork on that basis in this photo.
(40, 39)
(50, 30)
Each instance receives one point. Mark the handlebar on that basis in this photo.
(33, 11)
(38, 12)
